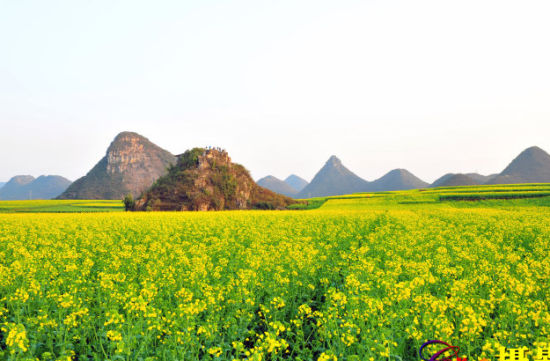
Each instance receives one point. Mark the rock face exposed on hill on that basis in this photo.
(395, 180)
(278, 186)
(27, 187)
(206, 179)
(451, 180)
(131, 165)
(530, 166)
(333, 179)
(296, 182)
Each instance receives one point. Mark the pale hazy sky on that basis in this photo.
(431, 86)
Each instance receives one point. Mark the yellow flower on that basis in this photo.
(327, 357)
(215, 351)
(114, 335)
(17, 338)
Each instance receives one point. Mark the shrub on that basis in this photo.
(264, 205)
(129, 202)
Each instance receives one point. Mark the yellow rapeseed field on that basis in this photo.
(345, 282)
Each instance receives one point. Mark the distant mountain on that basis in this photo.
(13, 189)
(395, 180)
(206, 179)
(333, 179)
(2, 184)
(480, 177)
(131, 165)
(461, 179)
(530, 166)
(48, 187)
(439, 182)
(451, 179)
(296, 182)
(27, 187)
(278, 186)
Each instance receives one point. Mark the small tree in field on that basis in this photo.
(129, 202)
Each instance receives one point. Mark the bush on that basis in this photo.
(129, 202)
(264, 205)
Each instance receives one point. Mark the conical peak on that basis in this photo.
(334, 161)
(270, 178)
(124, 139)
(534, 150)
(398, 171)
(532, 156)
(292, 177)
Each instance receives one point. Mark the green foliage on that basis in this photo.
(263, 205)
(487, 195)
(190, 158)
(312, 203)
(129, 202)
(225, 184)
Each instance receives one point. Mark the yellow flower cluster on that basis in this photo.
(16, 339)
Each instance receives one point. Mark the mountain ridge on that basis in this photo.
(131, 164)
(296, 182)
(276, 185)
(26, 187)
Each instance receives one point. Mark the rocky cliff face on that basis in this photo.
(127, 152)
(131, 165)
(206, 179)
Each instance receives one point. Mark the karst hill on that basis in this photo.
(206, 179)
